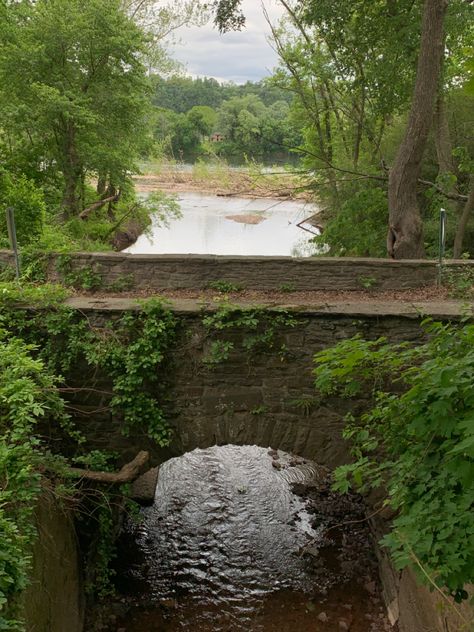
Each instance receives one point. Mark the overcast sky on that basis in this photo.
(237, 56)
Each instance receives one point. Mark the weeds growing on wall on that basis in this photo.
(49, 339)
(28, 395)
(415, 441)
(129, 351)
(261, 327)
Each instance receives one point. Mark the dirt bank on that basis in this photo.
(224, 181)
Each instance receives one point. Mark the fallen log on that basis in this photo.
(127, 474)
(93, 207)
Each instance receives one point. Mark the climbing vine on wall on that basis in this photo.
(28, 395)
(129, 350)
(415, 440)
(261, 328)
(44, 340)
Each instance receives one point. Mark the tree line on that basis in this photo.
(384, 94)
(375, 97)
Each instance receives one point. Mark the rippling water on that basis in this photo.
(220, 550)
(225, 530)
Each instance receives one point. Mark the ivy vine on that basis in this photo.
(262, 329)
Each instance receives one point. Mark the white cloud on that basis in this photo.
(236, 56)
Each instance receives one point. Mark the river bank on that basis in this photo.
(223, 180)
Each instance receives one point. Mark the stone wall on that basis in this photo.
(158, 272)
(53, 602)
(264, 397)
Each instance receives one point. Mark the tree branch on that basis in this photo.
(127, 474)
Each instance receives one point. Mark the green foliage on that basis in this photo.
(86, 278)
(254, 119)
(360, 226)
(78, 106)
(29, 208)
(130, 351)
(460, 282)
(286, 287)
(225, 287)
(27, 396)
(367, 282)
(416, 441)
(40, 296)
(180, 94)
(262, 328)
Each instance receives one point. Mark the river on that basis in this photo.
(220, 226)
(238, 540)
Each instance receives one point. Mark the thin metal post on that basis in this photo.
(13, 242)
(442, 243)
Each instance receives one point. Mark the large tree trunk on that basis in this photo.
(405, 233)
(442, 136)
(463, 220)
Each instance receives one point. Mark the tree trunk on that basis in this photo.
(72, 172)
(463, 220)
(444, 147)
(127, 474)
(405, 232)
(101, 183)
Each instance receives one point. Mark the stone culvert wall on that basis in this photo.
(159, 272)
(263, 397)
(54, 602)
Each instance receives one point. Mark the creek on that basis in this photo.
(222, 226)
(248, 539)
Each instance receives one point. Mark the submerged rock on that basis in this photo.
(143, 488)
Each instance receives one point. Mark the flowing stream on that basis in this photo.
(213, 225)
(223, 548)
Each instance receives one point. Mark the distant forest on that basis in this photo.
(202, 116)
(180, 94)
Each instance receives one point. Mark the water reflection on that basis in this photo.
(246, 539)
(205, 228)
(225, 531)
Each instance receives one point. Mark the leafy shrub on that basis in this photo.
(27, 395)
(29, 206)
(359, 228)
(416, 441)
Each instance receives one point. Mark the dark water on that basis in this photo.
(223, 549)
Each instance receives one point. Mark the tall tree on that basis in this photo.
(405, 233)
(79, 103)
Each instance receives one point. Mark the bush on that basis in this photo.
(416, 442)
(359, 229)
(29, 206)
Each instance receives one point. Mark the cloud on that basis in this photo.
(237, 56)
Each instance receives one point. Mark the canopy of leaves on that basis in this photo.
(79, 103)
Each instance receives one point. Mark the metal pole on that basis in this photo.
(13, 242)
(442, 243)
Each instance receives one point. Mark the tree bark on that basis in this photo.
(405, 232)
(463, 220)
(127, 474)
(93, 207)
(444, 147)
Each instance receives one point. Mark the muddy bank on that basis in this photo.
(224, 182)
